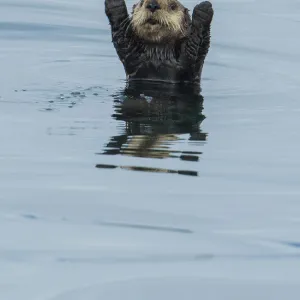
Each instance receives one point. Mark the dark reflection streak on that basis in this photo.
(292, 244)
(145, 227)
(146, 169)
(120, 151)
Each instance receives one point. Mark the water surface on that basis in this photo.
(108, 191)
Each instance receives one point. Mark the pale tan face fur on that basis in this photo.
(164, 24)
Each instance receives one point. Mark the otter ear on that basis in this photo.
(186, 11)
(187, 18)
(133, 7)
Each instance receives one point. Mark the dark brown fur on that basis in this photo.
(172, 50)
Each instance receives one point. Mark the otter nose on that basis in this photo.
(153, 5)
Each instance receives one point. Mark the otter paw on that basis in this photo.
(203, 13)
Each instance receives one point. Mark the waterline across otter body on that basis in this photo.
(112, 191)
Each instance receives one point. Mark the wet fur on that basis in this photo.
(172, 24)
(174, 51)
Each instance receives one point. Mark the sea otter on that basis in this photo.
(160, 41)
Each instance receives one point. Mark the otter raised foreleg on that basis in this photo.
(198, 41)
(118, 17)
(116, 12)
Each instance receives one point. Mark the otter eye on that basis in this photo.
(173, 6)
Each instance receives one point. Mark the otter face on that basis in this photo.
(157, 21)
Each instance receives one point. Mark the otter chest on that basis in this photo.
(160, 66)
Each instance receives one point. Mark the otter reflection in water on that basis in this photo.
(155, 116)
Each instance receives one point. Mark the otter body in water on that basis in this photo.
(160, 41)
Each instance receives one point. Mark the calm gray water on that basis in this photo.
(108, 196)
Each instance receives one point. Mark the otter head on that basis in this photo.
(157, 21)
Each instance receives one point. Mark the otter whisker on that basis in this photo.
(125, 26)
(124, 21)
